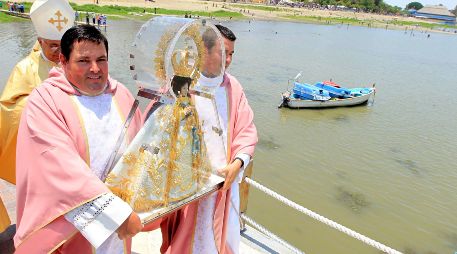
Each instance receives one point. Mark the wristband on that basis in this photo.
(242, 162)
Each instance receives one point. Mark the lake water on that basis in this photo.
(383, 169)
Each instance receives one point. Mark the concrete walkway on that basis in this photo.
(8, 195)
(252, 241)
(149, 243)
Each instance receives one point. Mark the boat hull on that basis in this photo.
(299, 103)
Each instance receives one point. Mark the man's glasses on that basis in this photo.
(51, 45)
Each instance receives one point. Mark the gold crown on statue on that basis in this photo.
(184, 63)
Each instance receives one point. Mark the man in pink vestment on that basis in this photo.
(67, 133)
(180, 231)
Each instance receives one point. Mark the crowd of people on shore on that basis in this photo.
(14, 7)
(96, 18)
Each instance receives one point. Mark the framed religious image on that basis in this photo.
(174, 158)
(215, 183)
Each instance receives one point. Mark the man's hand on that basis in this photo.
(130, 227)
(230, 172)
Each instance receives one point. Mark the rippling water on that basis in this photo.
(384, 170)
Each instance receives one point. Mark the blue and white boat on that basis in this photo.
(309, 92)
(334, 91)
(324, 95)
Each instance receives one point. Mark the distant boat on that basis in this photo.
(324, 95)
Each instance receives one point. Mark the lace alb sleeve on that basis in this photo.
(99, 218)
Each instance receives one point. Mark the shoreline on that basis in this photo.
(237, 11)
(282, 13)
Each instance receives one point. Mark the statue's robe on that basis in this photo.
(166, 161)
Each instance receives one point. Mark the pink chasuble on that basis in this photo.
(179, 228)
(53, 171)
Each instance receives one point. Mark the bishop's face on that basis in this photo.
(50, 49)
(212, 65)
(87, 67)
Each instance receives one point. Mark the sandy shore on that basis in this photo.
(195, 5)
(281, 13)
(367, 19)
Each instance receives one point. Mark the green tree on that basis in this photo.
(414, 5)
(377, 6)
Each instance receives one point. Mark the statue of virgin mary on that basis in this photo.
(168, 160)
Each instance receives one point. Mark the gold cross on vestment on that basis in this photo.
(58, 20)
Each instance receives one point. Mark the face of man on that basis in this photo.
(212, 64)
(87, 67)
(229, 50)
(50, 49)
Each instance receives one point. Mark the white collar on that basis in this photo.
(87, 94)
(210, 82)
(44, 57)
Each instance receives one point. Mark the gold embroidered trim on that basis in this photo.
(155, 175)
(184, 67)
(65, 240)
(229, 127)
(191, 250)
(83, 128)
(119, 110)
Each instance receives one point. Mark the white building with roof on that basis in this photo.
(436, 12)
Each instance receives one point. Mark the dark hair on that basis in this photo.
(227, 33)
(209, 38)
(81, 33)
(178, 82)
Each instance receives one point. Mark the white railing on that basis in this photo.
(313, 215)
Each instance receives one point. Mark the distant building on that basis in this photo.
(436, 13)
(412, 12)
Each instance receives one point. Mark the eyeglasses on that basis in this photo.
(54, 46)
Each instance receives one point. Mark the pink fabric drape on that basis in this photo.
(53, 172)
(178, 229)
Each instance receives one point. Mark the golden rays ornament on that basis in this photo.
(167, 164)
(164, 167)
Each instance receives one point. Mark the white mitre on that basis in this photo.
(52, 18)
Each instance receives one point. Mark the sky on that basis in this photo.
(450, 4)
